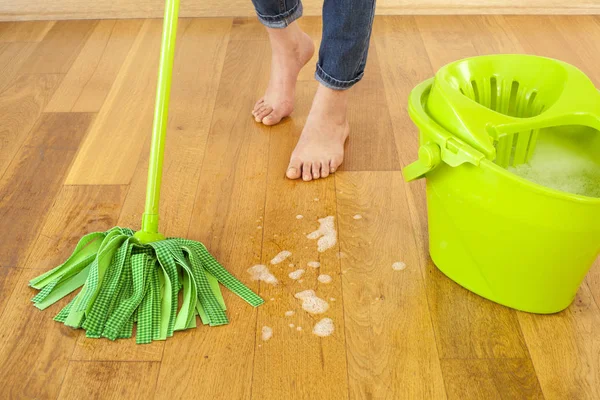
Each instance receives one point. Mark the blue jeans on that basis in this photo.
(346, 34)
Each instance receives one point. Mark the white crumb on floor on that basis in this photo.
(296, 274)
(292, 325)
(267, 333)
(326, 234)
(324, 327)
(261, 273)
(280, 257)
(324, 278)
(311, 303)
(291, 265)
(298, 328)
(289, 313)
(313, 264)
(398, 266)
(272, 298)
(332, 299)
(299, 216)
(357, 216)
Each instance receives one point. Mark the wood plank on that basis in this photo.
(105, 9)
(34, 349)
(125, 120)
(21, 103)
(198, 63)
(12, 57)
(59, 48)
(89, 80)
(230, 198)
(99, 380)
(491, 379)
(298, 360)
(77, 210)
(29, 31)
(33, 179)
(390, 340)
(564, 349)
(371, 144)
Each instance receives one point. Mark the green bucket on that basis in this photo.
(510, 147)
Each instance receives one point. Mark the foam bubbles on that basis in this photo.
(296, 274)
(326, 234)
(267, 333)
(289, 313)
(398, 266)
(311, 303)
(314, 264)
(261, 273)
(324, 327)
(280, 257)
(324, 278)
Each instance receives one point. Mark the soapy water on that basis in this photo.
(289, 313)
(296, 274)
(261, 273)
(559, 165)
(324, 278)
(398, 266)
(326, 234)
(314, 264)
(324, 327)
(311, 303)
(267, 333)
(279, 258)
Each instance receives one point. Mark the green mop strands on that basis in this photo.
(136, 277)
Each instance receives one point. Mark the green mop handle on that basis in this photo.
(161, 110)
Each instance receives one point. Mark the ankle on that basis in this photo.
(287, 39)
(331, 103)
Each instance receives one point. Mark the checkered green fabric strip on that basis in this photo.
(129, 283)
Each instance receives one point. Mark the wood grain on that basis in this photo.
(230, 198)
(130, 380)
(125, 120)
(21, 104)
(77, 9)
(12, 57)
(33, 179)
(60, 46)
(34, 349)
(77, 210)
(491, 379)
(391, 345)
(30, 31)
(90, 78)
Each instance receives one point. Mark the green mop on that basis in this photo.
(135, 277)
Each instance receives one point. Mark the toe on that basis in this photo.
(272, 119)
(334, 164)
(258, 104)
(316, 170)
(262, 113)
(294, 169)
(324, 169)
(307, 172)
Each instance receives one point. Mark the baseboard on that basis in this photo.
(15, 10)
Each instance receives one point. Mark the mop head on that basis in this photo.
(125, 282)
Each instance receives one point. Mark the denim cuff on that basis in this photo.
(332, 83)
(281, 20)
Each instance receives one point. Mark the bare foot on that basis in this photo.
(320, 150)
(291, 50)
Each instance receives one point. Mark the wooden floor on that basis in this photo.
(76, 102)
